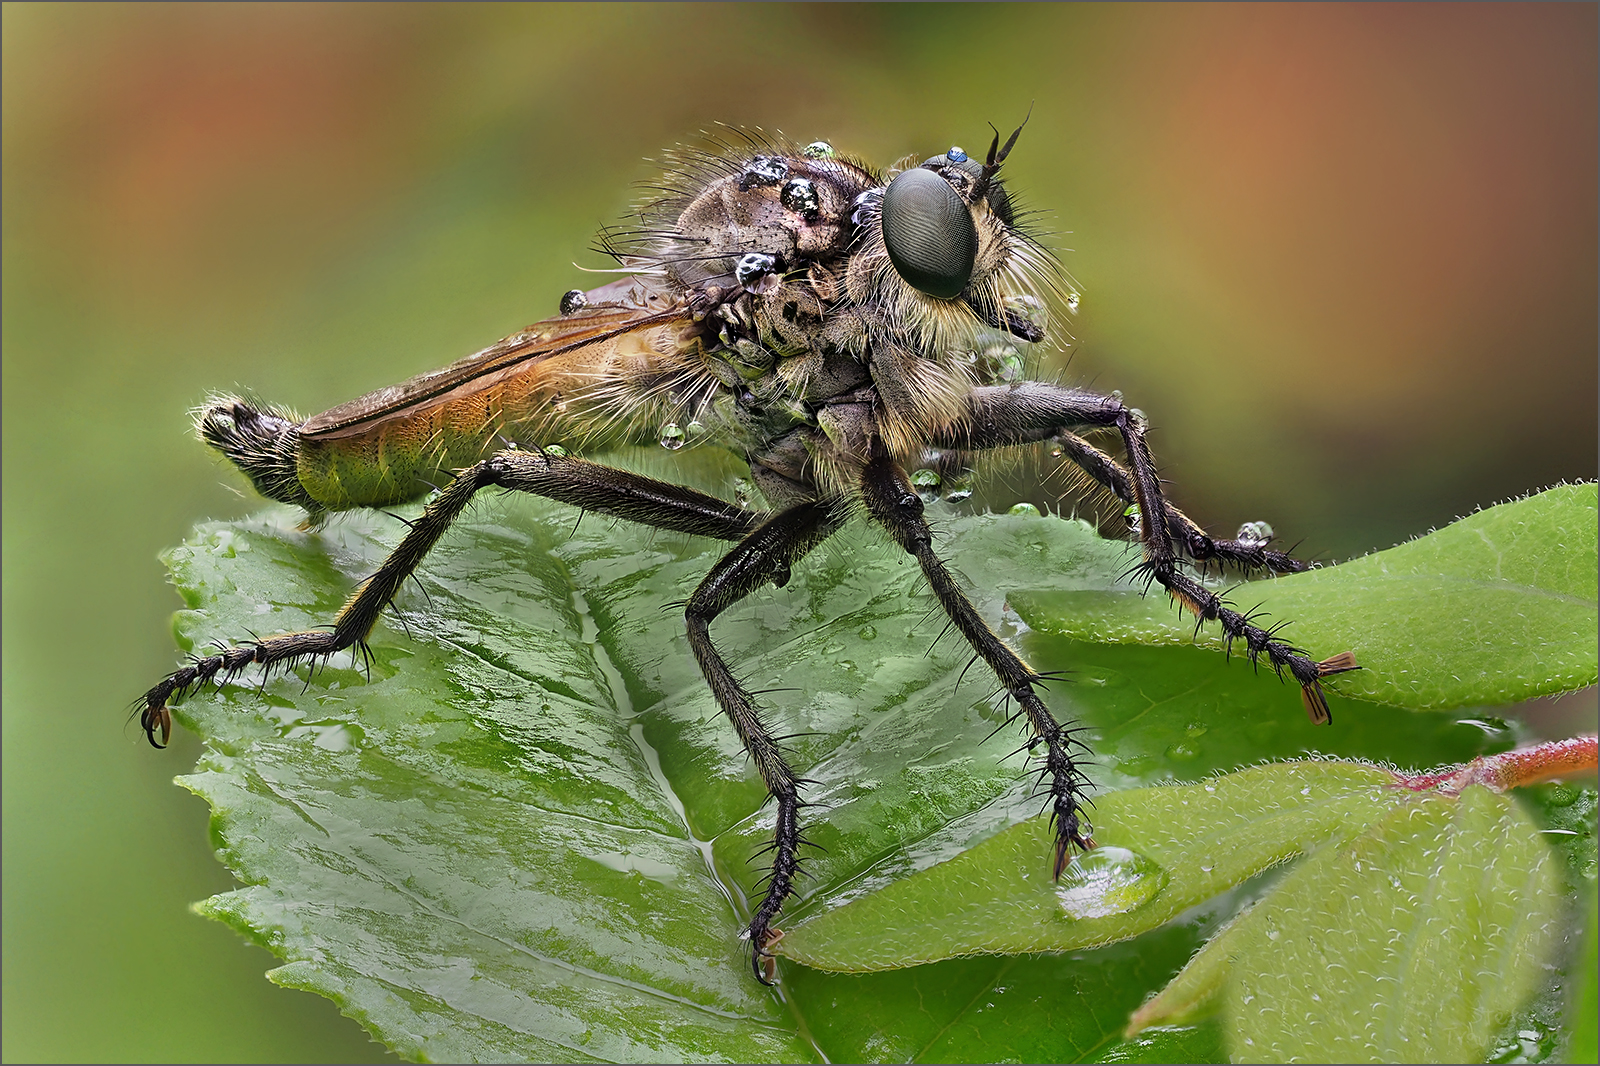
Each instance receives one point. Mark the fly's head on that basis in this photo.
(941, 253)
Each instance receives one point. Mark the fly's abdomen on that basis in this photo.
(390, 460)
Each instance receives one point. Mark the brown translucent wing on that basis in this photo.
(632, 308)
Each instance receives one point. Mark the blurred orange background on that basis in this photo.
(1344, 256)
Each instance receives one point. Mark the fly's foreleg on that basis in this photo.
(1004, 416)
(766, 555)
(568, 480)
(894, 504)
(1034, 411)
(1245, 553)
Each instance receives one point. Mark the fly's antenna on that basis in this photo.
(997, 155)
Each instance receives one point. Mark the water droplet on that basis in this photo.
(818, 150)
(1108, 880)
(672, 436)
(1131, 516)
(958, 495)
(555, 449)
(926, 482)
(1116, 394)
(1195, 729)
(867, 633)
(1024, 509)
(1135, 765)
(1255, 533)
(1073, 299)
(695, 429)
(1026, 307)
(1140, 421)
(1490, 726)
(743, 491)
(1183, 751)
(1057, 452)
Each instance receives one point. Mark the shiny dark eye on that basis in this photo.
(929, 233)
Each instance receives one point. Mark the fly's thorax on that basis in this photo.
(775, 203)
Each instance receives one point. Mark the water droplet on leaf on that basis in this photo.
(1107, 881)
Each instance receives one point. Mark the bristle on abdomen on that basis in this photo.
(262, 442)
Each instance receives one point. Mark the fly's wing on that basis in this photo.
(583, 378)
(547, 347)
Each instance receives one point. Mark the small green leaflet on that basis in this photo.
(1417, 926)
(1496, 608)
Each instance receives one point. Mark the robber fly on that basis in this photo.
(821, 320)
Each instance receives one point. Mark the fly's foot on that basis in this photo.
(1259, 644)
(285, 650)
(762, 960)
(1069, 787)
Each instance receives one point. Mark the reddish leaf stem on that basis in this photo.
(1525, 766)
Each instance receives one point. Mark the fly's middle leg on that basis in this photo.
(562, 478)
(894, 504)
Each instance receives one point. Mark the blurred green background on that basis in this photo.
(1344, 256)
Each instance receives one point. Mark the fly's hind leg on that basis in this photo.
(765, 555)
(894, 504)
(1033, 411)
(558, 477)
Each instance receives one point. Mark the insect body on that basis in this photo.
(819, 320)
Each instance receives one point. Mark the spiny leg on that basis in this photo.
(1036, 411)
(1196, 543)
(562, 478)
(894, 504)
(1002, 416)
(765, 555)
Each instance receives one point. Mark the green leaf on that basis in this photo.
(529, 832)
(1415, 940)
(1496, 608)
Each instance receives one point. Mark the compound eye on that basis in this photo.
(929, 234)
